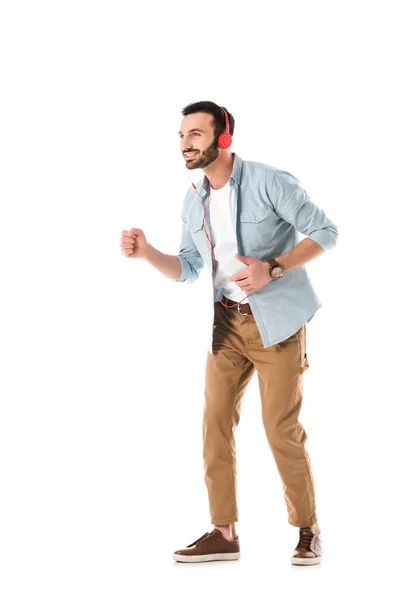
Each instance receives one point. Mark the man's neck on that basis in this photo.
(220, 170)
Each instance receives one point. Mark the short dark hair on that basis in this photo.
(219, 122)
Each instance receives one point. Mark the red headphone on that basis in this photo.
(224, 141)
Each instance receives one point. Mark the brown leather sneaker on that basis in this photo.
(309, 549)
(210, 546)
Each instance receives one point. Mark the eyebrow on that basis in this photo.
(195, 129)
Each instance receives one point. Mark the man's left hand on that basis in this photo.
(254, 277)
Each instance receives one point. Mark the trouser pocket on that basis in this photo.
(303, 348)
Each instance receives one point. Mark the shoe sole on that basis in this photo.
(206, 557)
(306, 561)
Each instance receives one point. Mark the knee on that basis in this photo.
(284, 433)
(217, 423)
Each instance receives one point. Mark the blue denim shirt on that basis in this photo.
(270, 208)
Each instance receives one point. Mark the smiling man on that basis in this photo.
(242, 221)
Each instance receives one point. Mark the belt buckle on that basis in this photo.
(240, 313)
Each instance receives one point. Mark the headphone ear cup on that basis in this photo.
(224, 140)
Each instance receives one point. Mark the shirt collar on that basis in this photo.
(235, 175)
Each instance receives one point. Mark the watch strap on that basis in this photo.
(273, 262)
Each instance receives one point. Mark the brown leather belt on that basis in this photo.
(243, 309)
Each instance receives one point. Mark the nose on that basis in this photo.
(186, 145)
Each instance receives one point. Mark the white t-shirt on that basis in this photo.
(223, 238)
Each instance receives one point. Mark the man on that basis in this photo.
(251, 213)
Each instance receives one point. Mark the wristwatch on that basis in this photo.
(275, 270)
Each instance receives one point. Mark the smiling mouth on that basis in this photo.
(190, 155)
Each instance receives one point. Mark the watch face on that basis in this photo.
(276, 272)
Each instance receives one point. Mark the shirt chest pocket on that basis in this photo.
(196, 226)
(255, 226)
(197, 232)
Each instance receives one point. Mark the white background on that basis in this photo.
(103, 358)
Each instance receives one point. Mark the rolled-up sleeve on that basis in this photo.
(292, 203)
(189, 257)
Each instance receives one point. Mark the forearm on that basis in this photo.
(302, 253)
(168, 264)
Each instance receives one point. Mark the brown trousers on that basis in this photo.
(237, 352)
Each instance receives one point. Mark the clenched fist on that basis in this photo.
(134, 243)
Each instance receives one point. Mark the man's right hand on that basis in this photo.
(134, 244)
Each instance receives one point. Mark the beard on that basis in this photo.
(205, 157)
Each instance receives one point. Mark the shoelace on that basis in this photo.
(306, 535)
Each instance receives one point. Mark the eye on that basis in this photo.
(193, 133)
